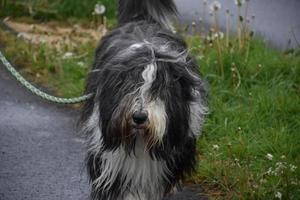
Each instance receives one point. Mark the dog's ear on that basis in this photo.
(159, 11)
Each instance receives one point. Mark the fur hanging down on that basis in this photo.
(150, 103)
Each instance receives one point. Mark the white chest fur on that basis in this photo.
(141, 176)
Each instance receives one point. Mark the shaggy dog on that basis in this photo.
(149, 104)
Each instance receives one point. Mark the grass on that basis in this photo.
(250, 144)
(51, 67)
(64, 10)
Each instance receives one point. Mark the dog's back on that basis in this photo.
(148, 107)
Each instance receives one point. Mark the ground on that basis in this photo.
(41, 156)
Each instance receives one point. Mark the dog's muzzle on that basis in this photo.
(140, 118)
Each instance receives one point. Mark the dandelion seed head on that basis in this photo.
(99, 9)
(215, 6)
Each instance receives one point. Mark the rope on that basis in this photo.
(37, 91)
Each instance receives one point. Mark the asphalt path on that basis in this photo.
(274, 19)
(41, 156)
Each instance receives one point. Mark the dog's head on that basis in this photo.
(148, 87)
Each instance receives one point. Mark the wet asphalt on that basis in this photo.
(276, 21)
(41, 156)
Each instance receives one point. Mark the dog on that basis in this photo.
(148, 109)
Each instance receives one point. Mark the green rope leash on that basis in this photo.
(37, 91)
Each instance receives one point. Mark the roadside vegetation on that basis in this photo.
(250, 144)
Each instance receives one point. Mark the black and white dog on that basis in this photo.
(148, 107)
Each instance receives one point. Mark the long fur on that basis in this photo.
(142, 65)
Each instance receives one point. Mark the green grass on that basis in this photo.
(254, 111)
(252, 114)
(48, 66)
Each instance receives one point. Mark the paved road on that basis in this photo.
(41, 158)
(274, 18)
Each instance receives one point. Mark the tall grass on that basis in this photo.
(58, 9)
(251, 143)
(84, 9)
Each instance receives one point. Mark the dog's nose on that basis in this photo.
(140, 117)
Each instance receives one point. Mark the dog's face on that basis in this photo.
(147, 90)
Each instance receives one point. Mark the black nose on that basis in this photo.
(140, 117)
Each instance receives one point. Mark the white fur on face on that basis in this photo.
(141, 176)
(149, 76)
(158, 118)
(155, 108)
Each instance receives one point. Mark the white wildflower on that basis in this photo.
(215, 6)
(283, 157)
(99, 9)
(278, 195)
(80, 64)
(293, 168)
(270, 171)
(269, 156)
(294, 183)
(216, 147)
(20, 35)
(68, 55)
